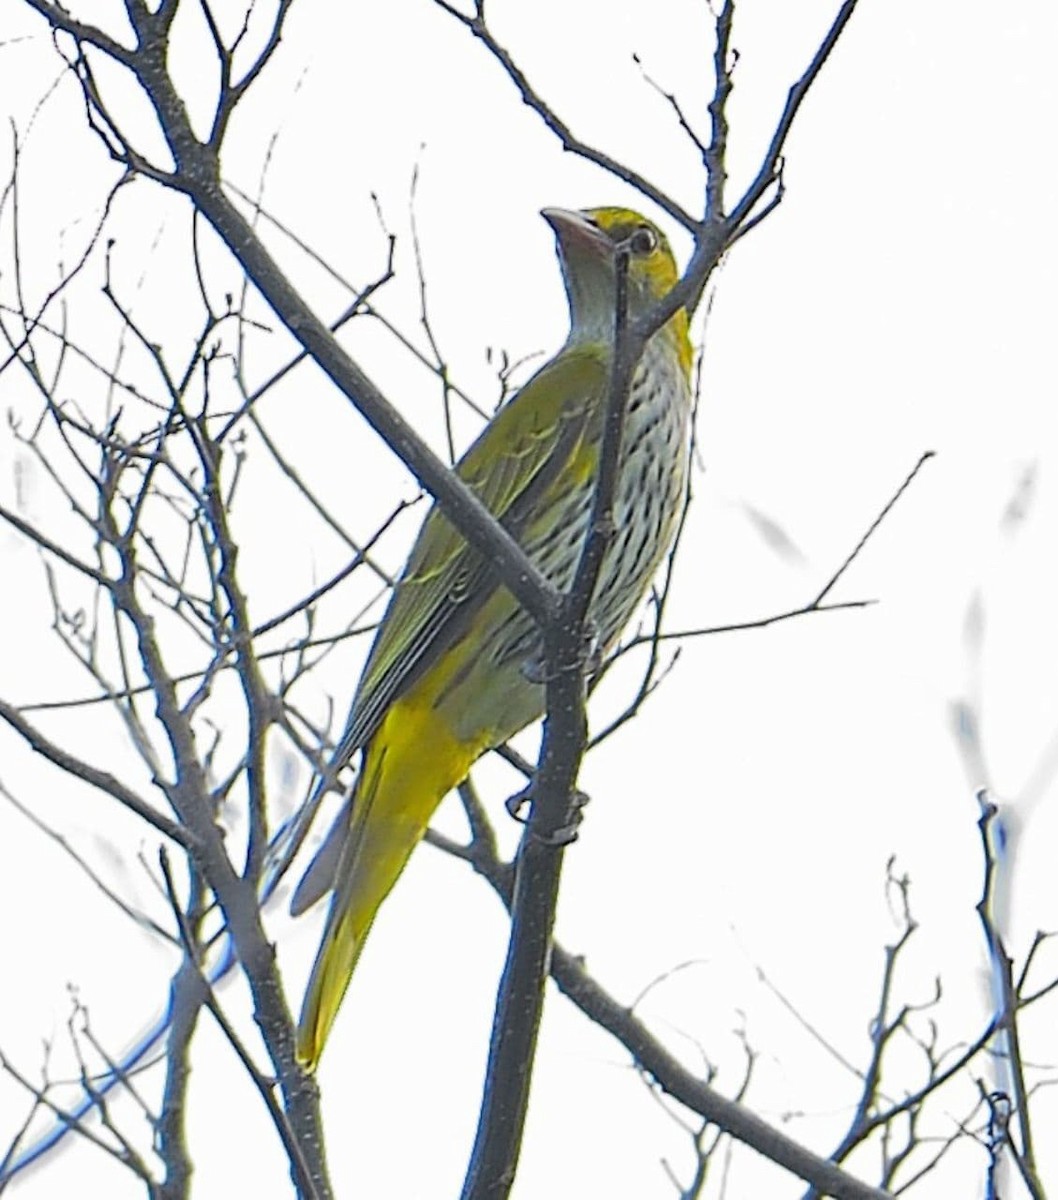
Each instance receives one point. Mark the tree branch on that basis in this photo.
(555, 805)
(574, 981)
(70, 764)
(770, 165)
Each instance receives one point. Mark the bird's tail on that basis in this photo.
(409, 766)
(339, 951)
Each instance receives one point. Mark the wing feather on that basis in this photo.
(518, 456)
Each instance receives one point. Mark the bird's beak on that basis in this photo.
(576, 234)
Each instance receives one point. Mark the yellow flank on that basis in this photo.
(681, 334)
(455, 666)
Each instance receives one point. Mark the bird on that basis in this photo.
(456, 667)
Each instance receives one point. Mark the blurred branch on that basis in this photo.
(139, 918)
(126, 1151)
(39, 1092)
(813, 606)
(1009, 1045)
(16, 1140)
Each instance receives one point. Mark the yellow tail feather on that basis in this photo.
(412, 762)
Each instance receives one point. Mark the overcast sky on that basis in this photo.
(901, 300)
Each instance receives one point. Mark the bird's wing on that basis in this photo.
(516, 459)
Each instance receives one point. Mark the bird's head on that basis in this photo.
(588, 242)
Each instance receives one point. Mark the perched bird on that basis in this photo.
(456, 666)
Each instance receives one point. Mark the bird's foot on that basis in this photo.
(564, 835)
(518, 803)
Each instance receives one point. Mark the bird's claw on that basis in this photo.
(564, 835)
(516, 804)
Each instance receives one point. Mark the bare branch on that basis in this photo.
(872, 527)
(714, 156)
(574, 981)
(362, 296)
(102, 780)
(59, 19)
(51, 547)
(457, 500)
(480, 29)
(770, 166)
(555, 807)
(1009, 1047)
(306, 1178)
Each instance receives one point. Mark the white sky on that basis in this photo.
(901, 300)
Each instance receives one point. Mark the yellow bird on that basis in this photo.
(456, 666)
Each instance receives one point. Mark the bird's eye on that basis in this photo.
(643, 242)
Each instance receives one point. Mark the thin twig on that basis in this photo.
(261, 1082)
(923, 459)
(70, 764)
